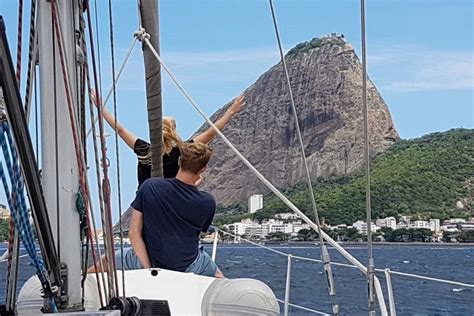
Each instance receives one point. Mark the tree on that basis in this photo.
(280, 236)
(305, 234)
(466, 236)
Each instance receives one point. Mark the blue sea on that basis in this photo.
(308, 284)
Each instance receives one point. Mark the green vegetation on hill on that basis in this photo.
(315, 43)
(4, 230)
(424, 176)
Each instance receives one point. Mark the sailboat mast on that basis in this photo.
(149, 21)
(60, 174)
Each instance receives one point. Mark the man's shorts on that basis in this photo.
(130, 259)
(202, 265)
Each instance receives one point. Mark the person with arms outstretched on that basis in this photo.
(171, 140)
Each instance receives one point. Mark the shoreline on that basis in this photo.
(434, 244)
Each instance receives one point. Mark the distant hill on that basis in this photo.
(326, 78)
(432, 176)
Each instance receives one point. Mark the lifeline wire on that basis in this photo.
(117, 155)
(371, 265)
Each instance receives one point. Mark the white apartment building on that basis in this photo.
(255, 203)
(466, 226)
(239, 228)
(450, 228)
(299, 226)
(4, 213)
(456, 220)
(254, 230)
(434, 225)
(277, 228)
(420, 224)
(287, 216)
(390, 222)
(361, 227)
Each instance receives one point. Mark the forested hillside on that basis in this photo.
(426, 176)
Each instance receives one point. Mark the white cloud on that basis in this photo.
(410, 69)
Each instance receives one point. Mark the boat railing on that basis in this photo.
(290, 257)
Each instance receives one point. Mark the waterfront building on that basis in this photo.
(361, 227)
(4, 213)
(390, 222)
(254, 230)
(255, 203)
(468, 226)
(299, 226)
(450, 228)
(277, 228)
(420, 224)
(434, 225)
(239, 227)
(456, 220)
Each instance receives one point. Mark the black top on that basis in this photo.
(174, 214)
(170, 161)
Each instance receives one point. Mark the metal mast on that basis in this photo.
(59, 167)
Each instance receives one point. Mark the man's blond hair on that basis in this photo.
(194, 157)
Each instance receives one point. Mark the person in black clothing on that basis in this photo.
(171, 140)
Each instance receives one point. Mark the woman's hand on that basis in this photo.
(95, 99)
(236, 106)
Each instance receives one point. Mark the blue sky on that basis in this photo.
(420, 57)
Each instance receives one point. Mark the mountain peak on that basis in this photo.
(336, 39)
(326, 78)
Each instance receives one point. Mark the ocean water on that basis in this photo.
(308, 283)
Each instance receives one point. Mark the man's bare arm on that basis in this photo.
(136, 238)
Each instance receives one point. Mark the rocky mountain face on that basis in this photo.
(326, 78)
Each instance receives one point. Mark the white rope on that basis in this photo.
(109, 94)
(143, 36)
(429, 278)
(304, 308)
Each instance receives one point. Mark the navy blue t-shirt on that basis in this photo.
(174, 214)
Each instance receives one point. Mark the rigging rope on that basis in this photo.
(117, 154)
(99, 186)
(32, 49)
(324, 251)
(16, 201)
(143, 36)
(371, 265)
(18, 44)
(107, 220)
(13, 246)
(97, 32)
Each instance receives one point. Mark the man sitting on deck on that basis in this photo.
(167, 217)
